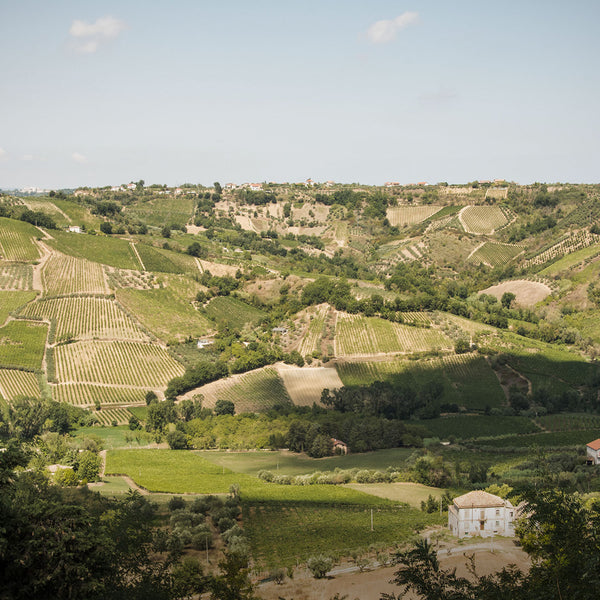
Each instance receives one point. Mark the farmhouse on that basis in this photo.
(339, 447)
(482, 514)
(593, 452)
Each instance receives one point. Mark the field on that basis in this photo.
(126, 278)
(311, 341)
(60, 218)
(570, 260)
(15, 383)
(15, 276)
(304, 385)
(17, 240)
(11, 301)
(570, 243)
(408, 215)
(544, 440)
(87, 394)
(218, 269)
(87, 318)
(167, 312)
(232, 312)
(78, 214)
(107, 250)
(165, 261)
(163, 210)
(482, 219)
(108, 416)
(408, 493)
(22, 344)
(356, 334)
(569, 422)
(472, 427)
(254, 391)
(495, 254)
(116, 363)
(528, 293)
(64, 275)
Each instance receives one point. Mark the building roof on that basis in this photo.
(595, 445)
(478, 499)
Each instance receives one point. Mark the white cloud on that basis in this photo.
(3, 154)
(382, 32)
(88, 37)
(79, 158)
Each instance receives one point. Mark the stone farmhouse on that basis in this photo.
(482, 514)
(593, 452)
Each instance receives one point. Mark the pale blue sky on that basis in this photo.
(98, 93)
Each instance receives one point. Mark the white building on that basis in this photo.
(593, 452)
(482, 514)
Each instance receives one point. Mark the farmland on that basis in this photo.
(570, 243)
(163, 210)
(15, 276)
(88, 394)
(356, 334)
(11, 301)
(15, 383)
(116, 363)
(471, 427)
(495, 254)
(232, 312)
(483, 219)
(86, 318)
(544, 440)
(64, 275)
(109, 416)
(569, 422)
(165, 261)
(311, 342)
(408, 215)
(22, 344)
(304, 385)
(17, 240)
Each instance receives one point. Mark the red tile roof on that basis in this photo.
(595, 445)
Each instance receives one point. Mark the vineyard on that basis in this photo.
(15, 383)
(570, 243)
(17, 240)
(305, 385)
(311, 342)
(164, 209)
(569, 422)
(472, 427)
(11, 301)
(483, 219)
(64, 275)
(22, 344)
(408, 215)
(120, 416)
(127, 278)
(232, 312)
(15, 277)
(254, 391)
(495, 254)
(356, 334)
(165, 261)
(86, 318)
(88, 394)
(116, 363)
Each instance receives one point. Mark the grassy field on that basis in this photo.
(78, 214)
(471, 427)
(107, 250)
(64, 275)
(22, 344)
(11, 301)
(163, 210)
(167, 312)
(17, 240)
(232, 312)
(408, 493)
(111, 437)
(569, 261)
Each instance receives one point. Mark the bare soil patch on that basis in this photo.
(528, 293)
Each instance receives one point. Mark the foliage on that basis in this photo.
(319, 565)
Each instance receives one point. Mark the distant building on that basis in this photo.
(482, 514)
(392, 184)
(281, 330)
(256, 187)
(74, 229)
(339, 447)
(593, 452)
(203, 343)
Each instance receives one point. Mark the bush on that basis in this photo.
(319, 565)
(177, 440)
(176, 503)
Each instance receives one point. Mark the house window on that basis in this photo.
(497, 523)
(511, 514)
(497, 512)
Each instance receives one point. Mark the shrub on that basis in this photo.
(176, 503)
(319, 565)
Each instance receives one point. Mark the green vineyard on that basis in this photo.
(483, 219)
(14, 383)
(22, 344)
(88, 394)
(15, 277)
(17, 240)
(64, 275)
(495, 254)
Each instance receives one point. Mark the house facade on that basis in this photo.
(482, 514)
(593, 452)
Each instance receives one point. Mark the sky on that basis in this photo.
(103, 93)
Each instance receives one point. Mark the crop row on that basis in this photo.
(109, 416)
(311, 341)
(495, 254)
(84, 317)
(407, 215)
(116, 363)
(483, 219)
(64, 275)
(305, 385)
(15, 276)
(569, 422)
(88, 394)
(15, 383)
(17, 240)
(22, 344)
(127, 278)
(580, 239)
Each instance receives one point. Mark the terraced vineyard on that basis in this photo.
(120, 416)
(408, 215)
(483, 219)
(304, 385)
(570, 243)
(17, 240)
(15, 277)
(311, 341)
(254, 391)
(495, 254)
(64, 275)
(116, 363)
(22, 344)
(88, 394)
(86, 318)
(15, 383)
(356, 334)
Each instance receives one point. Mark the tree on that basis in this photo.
(319, 565)
(507, 299)
(218, 188)
(224, 407)
(88, 466)
(177, 440)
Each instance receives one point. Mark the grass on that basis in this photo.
(112, 437)
(78, 214)
(408, 493)
(107, 250)
(167, 312)
(22, 344)
(232, 312)
(569, 261)
(11, 301)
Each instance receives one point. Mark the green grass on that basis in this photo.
(22, 344)
(167, 312)
(232, 312)
(107, 250)
(112, 437)
(472, 427)
(569, 261)
(162, 210)
(11, 301)
(78, 214)
(409, 493)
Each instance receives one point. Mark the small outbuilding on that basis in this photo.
(593, 452)
(480, 513)
(339, 447)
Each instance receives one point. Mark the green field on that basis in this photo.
(163, 210)
(15, 383)
(471, 427)
(569, 261)
(111, 437)
(569, 422)
(232, 312)
(17, 240)
(103, 249)
(22, 344)
(11, 301)
(166, 261)
(167, 312)
(495, 254)
(88, 394)
(15, 276)
(78, 214)
(549, 440)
